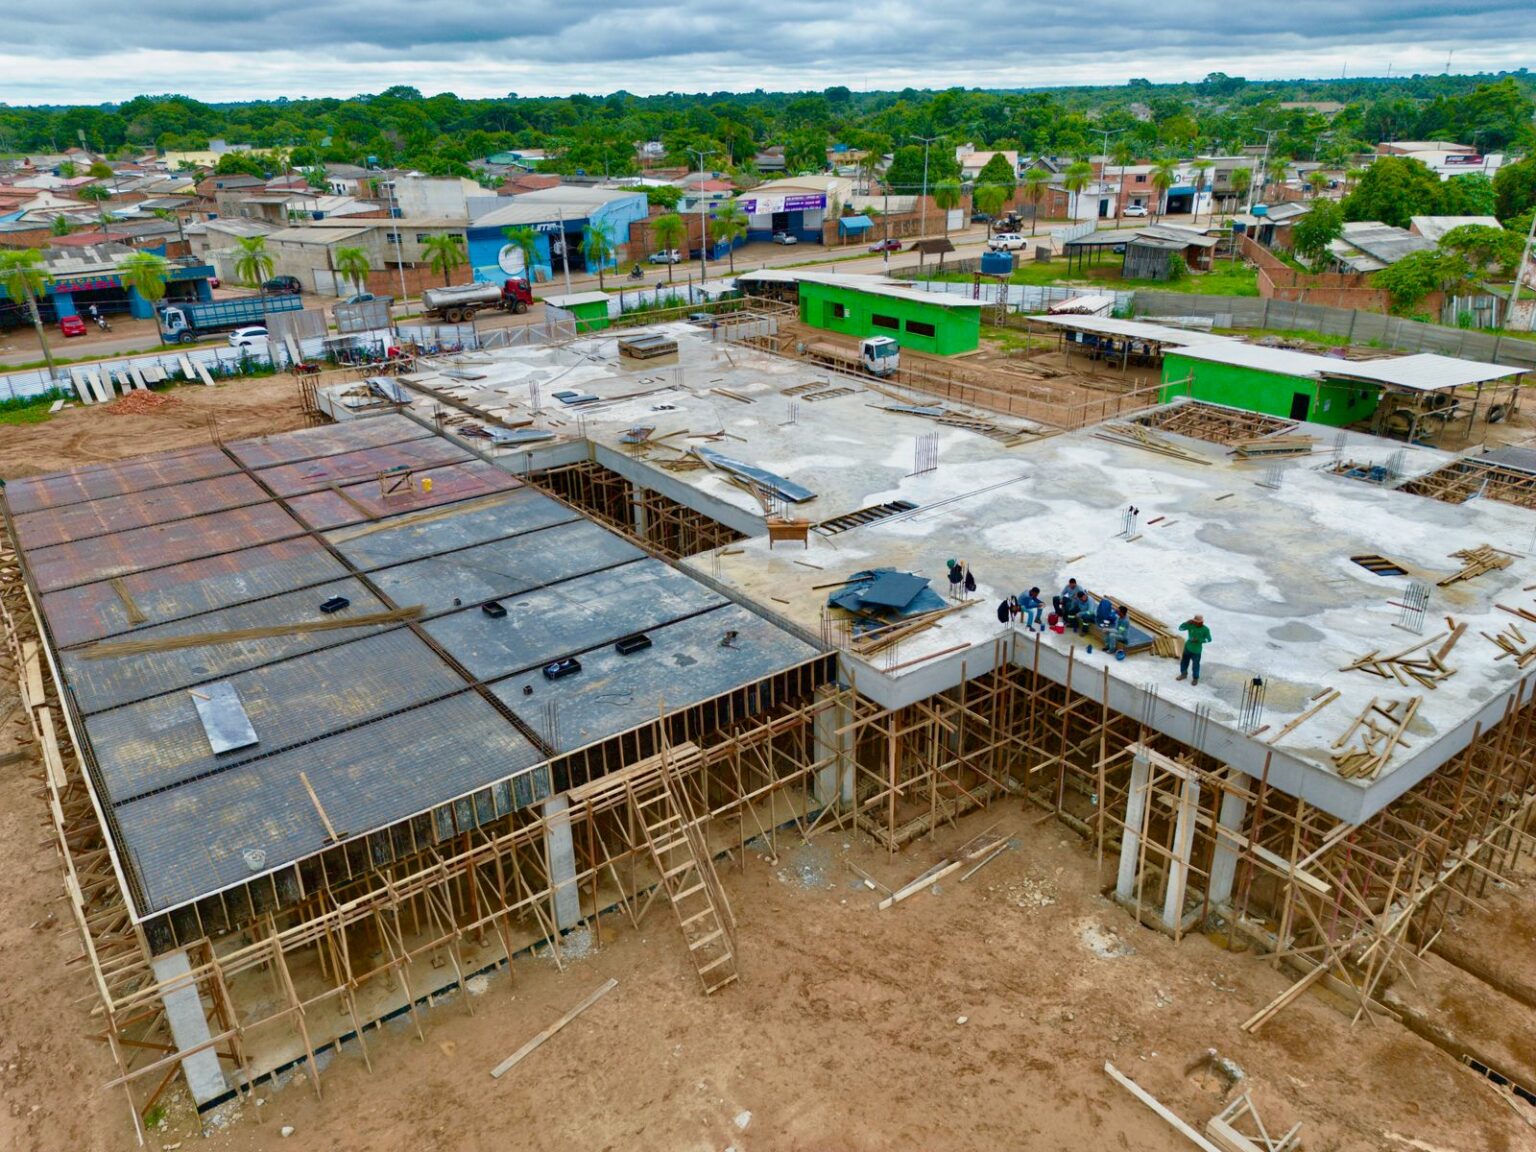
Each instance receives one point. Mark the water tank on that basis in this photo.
(997, 263)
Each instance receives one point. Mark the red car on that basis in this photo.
(887, 245)
(72, 326)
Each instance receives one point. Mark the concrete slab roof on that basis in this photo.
(386, 720)
(1270, 568)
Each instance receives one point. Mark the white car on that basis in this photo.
(785, 238)
(254, 338)
(667, 256)
(1135, 210)
(1008, 242)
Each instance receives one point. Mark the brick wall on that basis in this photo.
(1279, 281)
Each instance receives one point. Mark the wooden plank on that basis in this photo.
(925, 881)
(202, 373)
(32, 666)
(1298, 721)
(511, 1061)
(330, 830)
(1151, 1102)
(135, 613)
(53, 760)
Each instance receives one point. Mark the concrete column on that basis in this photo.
(1234, 808)
(637, 510)
(189, 1028)
(1130, 842)
(835, 781)
(561, 852)
(1183, 840)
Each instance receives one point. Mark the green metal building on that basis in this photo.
(591, 309)
(1274, 381)
(860, 306)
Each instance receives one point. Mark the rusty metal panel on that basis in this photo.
(96, 481)
(135, 510)
(449, 484)
(140, 549)
(365, 465)
(93, 611)
(325, 440)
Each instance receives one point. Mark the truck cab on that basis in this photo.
(880, 355)
(174, 327)
(516, 295)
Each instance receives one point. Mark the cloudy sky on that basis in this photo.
(83, 51)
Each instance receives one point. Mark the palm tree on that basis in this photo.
(1242, 181)
(728, 224)
(96, 194)
(597, 248)
(668, 230)
(1201, 167)
(1078, 176)
(253, 263)
(147, 274)
(60, 226)
(1164, 172)
(24, 278)
(445, 254)
(526, 241)
(946, 197)
(1317, 178)
(988, 199)
(1035, 181)
(353, 264)
(1277, 168)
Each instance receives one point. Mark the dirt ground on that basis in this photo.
(975, 1015)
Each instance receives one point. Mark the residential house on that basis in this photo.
(1435, 227)
(1369, 246)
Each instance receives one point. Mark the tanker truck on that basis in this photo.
(462, 301)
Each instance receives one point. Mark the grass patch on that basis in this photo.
(31, 409)
(1225, 279)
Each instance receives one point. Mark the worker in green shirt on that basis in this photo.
(1196, 637)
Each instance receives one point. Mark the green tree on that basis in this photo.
(904, 176)
(1470, 195)
(253, 263)
(318, 178)
(806, 151)
(60, 226)
(1321, 226)
(597, 250)
(989, 199)
(1164, 172)
(1202, 168)
(728, 224)
(25, 279)
(1483, 247)
(668, 229)
(526, 241)
(1418, 274)
(1000, 172)
(97, 194)
(445, 254)
(946, 196)
(354, 265)
(1076, 180)
(1393, 190)
(68, 170)
(663, 196)
(100, 169)
(1316, 180)
(1242, 182)
(146, 273)
(1514, 188)
(1035, 181)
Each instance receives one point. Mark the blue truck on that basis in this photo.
(184, 322)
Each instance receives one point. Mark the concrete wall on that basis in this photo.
(955, 329)
(1268, 392)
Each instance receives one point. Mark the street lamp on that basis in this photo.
(922, 224)
(703, 217)
(1120, 191)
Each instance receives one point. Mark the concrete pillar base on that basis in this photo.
(561, 851)
(189, 1028)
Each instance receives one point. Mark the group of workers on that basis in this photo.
(1073, 611)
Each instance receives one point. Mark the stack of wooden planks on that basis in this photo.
(880, 638)
(1476, 561)
(1257, 446)
(978, 850)
(1139, 437)
(1377, 732)
(1407, 667)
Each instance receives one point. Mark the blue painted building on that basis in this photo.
(88, 276)
(559, 216)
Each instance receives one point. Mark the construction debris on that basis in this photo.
(1426, 670)
(1380, 727)
(1139, 437)
(142, 403)
(1476, 561)
(1262, 446)
(1225, 1130)
(511, 1061)
(1513, 643)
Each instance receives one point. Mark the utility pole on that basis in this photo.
(703, 216)
(1119, 192)
(1514, 292)
(1255, 186)
(922, 224)
(565, 253)
(394, 216)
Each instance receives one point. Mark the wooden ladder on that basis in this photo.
(687, 873)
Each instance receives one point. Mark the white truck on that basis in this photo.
(462, 301)
(877, 355)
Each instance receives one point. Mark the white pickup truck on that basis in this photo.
(1008, 242)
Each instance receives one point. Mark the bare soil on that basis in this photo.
(845, 1031)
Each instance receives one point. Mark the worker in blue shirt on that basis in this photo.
(1104, 616)
(1117, 634)
(1084, 614)
(1066, 599)
(1032, 606)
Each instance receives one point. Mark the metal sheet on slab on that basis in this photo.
(225, 722)
(520, 510)
(364, 464)
(326, 440)
(136, 510)
(449, 483)
(95, 481)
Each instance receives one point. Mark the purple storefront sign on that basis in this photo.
(758, 206)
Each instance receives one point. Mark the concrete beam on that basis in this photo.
(189, 1028)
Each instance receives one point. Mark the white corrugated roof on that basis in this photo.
(874, 285)
(1279, 360)
(1135, 329)
(576, 298)
(1424, 371)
